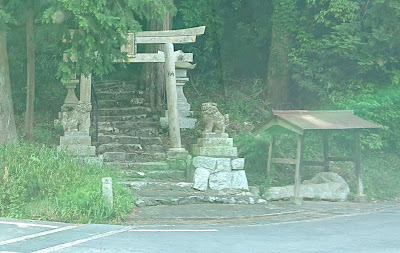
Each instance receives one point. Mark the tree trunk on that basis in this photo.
(153, 74)
(30, 85)
(278, 77)
(8, 133)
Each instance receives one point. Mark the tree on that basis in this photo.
(278, 68)
(153, 74)
(8, 133)
(30, 82)
(99, 28)
(346, 52)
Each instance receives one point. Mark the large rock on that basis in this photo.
(220, 180)
(200, 179)
(325, 177)
(239, 180)
(324, 186)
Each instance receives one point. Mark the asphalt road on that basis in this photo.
(369, 231)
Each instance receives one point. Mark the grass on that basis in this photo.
(38, 182)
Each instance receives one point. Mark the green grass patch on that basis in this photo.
(38, 182)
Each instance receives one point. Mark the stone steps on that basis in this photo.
(121, 102)
(122, 95)
(140, 166)
(140, 132)
(129, 148)
(162, 197)
(143, 117)
(146, 185)
(114, 86)
(126, 139)
(166, 175)
(128, 124)
(133, 157)
(128, 111)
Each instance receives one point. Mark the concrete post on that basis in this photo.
(108, 192)
(172, 100)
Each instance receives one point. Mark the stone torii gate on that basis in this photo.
(75, 114)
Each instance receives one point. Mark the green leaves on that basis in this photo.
(98, 27)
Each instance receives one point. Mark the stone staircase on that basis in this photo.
(129, 140)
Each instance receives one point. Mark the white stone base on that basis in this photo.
(218, 173)
(220, 151)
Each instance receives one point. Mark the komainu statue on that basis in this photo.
(76, 118)
(214, 121)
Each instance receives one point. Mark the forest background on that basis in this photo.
(256, 55)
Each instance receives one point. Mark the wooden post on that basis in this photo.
(357, 161)
(296, 199)
(325, 140)
(270, 154)
(172, 99)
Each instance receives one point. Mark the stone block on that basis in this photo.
(180, 154)
(79, 150)
(220, 181)
(223, 165)
(238, 164)
(75, 140)
(205, 162)
(215, 135)
(215, 151)
(239, 180)
(214, 142)
(200, 179)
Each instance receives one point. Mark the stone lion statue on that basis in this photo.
(76, 118)
(214, 121)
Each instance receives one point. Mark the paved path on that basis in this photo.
(312, 227)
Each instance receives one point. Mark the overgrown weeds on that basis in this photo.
(39, 182)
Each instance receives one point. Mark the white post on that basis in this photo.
(108, 192)
(172, 99)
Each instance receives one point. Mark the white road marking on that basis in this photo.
(24, 224)
(173, 230)
(27, 237)
(73, 243)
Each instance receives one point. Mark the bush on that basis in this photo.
(38, 182)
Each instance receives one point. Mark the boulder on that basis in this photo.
(325, 177)
(325, 186)
(200, 179)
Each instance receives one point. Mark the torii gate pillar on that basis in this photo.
(172, 101)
